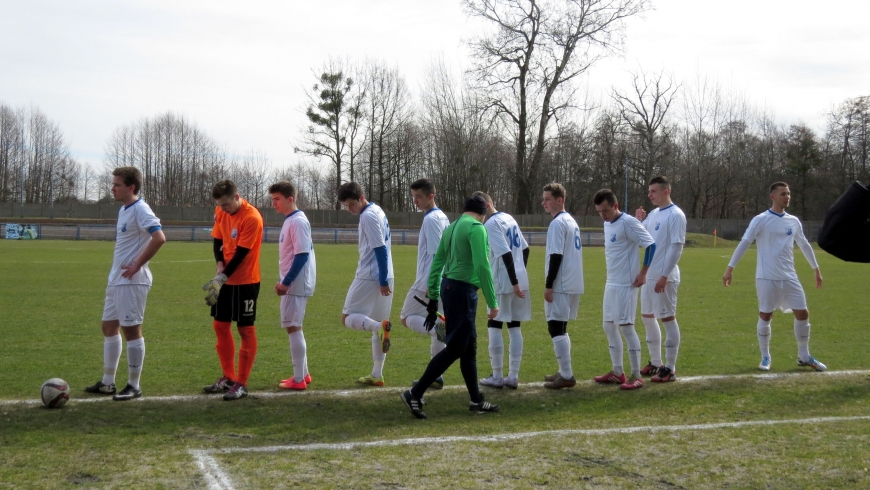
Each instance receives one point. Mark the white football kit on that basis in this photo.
(563, 237)
(296, 239)
(505, 237)
(434, 223)
(667, 226)
(622, 237)
(364, 295)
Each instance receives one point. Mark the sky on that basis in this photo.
(238, 70)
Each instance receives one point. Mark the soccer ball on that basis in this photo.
(55, 393)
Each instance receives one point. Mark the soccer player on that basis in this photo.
(297, 276)
(508, 256)
(138, 237)
(369, 299)
(460, 267)
(563, 270)
(623, 234)
(776, 282)
(232, 294)
(434, 222)
(658, 296)
(846, 230)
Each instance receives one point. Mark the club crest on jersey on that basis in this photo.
(234, 233)
(657, 226)
(788, 231)
(124, 228)
(613, 237)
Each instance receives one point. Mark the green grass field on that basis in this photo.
(795, 429)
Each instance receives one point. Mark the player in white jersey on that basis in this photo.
(658, 297)
(623, 235)
(563, 270)
(776, 282)
(508, 256)
(138, 237)
(369, 299)
(413, 313)
(297, 271)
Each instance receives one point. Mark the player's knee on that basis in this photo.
(668, 319)
(556, 328)
(650, 316)
(343, 318)
(513, 325)
(494, 324)
(801, 314)
(765, 316)
(404, 321)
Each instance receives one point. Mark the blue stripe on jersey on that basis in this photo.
(433, 209)
(154, 228)
(291, 214)
(133, 203)
(648, 254)
(617, 218)
(666, 207)
(776, 214)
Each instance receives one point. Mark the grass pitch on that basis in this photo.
(51, 298)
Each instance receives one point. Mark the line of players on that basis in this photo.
(233, 293)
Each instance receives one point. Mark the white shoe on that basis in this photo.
(492, 382)
(764, 365)
(512, 383)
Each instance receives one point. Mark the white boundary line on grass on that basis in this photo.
(369, 390)
(218, 479)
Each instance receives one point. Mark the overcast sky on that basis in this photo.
(238, 68)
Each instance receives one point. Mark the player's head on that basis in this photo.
(350, 194)
(475, 205)
(126, 183)
(606, 204)
(659, 191)
(226, 196)
(423, 193)
(554, 198)
(780, 194)
(490, 207)
(283, 196)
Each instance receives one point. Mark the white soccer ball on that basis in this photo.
(55, 393)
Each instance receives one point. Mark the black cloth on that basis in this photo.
(526, 256)
(217, 247)
(845, 233)
(237, 304)
(508, 259)
(236, 261)
(555, 263)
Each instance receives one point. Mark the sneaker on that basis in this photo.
(291, 384)
(559, 382)
(764, 365)
(610, 378)
(482, 407)
(237, 391)
(438, 384)
(491, 382)
(633, 383)
(813, 363)
(128, 393)
(512, 383)
(664, 375)
(101, 389)
(222, 385)
(550, 377)
(415, 405)
(650, 369)
(384, 336)
(371, 380)
(440, 331)
(307, 379)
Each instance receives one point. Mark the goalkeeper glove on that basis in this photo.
(432, 316)
(213, 288)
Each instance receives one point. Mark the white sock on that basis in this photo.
(435, 346)
(653, 340)
(111, 357)
(358, 321)
(135, 358)
(496, 352)
(562, 347)
(378, 357)
(615, 343)
(802, 334)
(763, 330)
(298, 354)
(633, 343)
(516, 352)
(672, 343)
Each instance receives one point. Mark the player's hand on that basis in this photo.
(726, 278)
(220, 268)
(130, 269)
(818, 279)
(386, 291)
(431, 314)
(492, 313)
(548, 295)
(639, 213)
(281, 289)
(213, 289)
(519, 292)
(661, 283)
(640, 280)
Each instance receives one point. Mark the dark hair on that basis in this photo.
(555, 189)
(349, 190)
(224, 188)
(485, 197)
(285, 188)
(604, 195)
(424, 185)
(475, 204)
(776, 185)
(131, 175)
(662, 181)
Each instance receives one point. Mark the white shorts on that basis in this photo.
(660, 305)
(293, 310)
(412, 308)
(364, 297)
(620, 304)
(786, 295)
(563, 308)
(126, 304)
(512, 308)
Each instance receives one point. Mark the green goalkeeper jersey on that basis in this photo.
(463, 255)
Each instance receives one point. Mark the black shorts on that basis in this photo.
(237, 304)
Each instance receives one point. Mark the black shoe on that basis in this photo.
(101, 389)
(438, 384)
(128, 393)
(415, 405)
(237, 391)
(222, 385)
(483, 406)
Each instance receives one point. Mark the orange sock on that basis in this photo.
(247, 353)
(226, 348)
